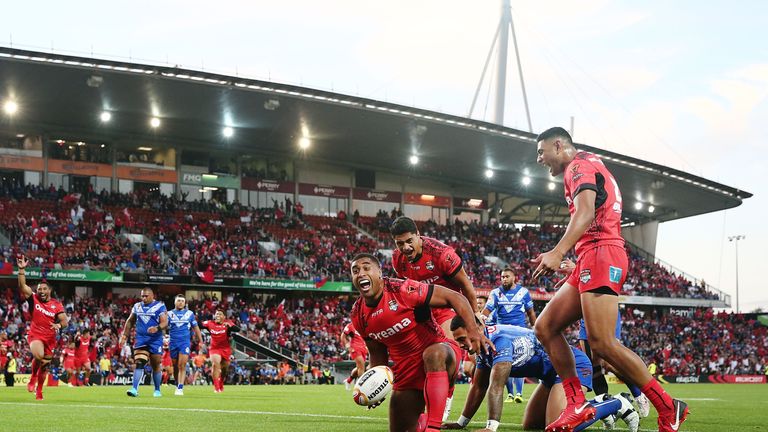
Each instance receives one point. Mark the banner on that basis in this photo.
(716, 379)
(268, 185)
(211, 180)
(146, 174)
(71, 275)
(79, 168)
(323, 190)
(427, 200)
(302, 285)
(173, 279)
(374, 195)
(29, 163)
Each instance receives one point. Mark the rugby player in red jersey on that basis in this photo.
(48, 318)
(358, 352)
(82, 357)
(395, 320)
(594, 202)
(220, 349)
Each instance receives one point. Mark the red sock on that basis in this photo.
(348, 380)
(35, 368)
(659, 398)
(573, 393)
(85, 379)
(41, 371)
(165, 377)
(435, 393)
(451, 389)
(221, 384)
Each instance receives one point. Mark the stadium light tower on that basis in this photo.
(736, 239)
(502, 37)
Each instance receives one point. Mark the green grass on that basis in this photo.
(714, 407)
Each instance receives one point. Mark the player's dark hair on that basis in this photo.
(482, 297)
(181, 296)
(553, 132)
(403, 225)
(508, 269)
(366, 255)
(154, 293)
(458, 322)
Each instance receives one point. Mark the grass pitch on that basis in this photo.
(714, 407)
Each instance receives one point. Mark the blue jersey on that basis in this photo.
(149, 316)
(583, 328)
(180, 323)
(519, 346)
(510, 305)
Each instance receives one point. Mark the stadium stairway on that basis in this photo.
(274, 352)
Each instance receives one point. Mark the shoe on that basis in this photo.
(518, 398)
(39, 395)
(70, 385)
(31, 386)
(628, 413)
(672, 422)
(132, 392)
(609, 423)
(157, 394)
(510, 398)
(571, 417)
(347, 385)
(179, 392)
(643, 405)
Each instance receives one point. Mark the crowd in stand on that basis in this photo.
(89, 231)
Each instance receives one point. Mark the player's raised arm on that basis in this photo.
(24, 289)
(584, 205)
(379, 356)
(442, 297)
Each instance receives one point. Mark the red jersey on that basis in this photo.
(586, 171)
(69, 355)
(437, 264)
(219, 333)
(355, 340)
(83, 346)
(43, 316)
(393, 320)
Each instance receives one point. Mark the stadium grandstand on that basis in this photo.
(251, 197)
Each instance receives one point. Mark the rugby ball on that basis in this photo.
(373, 386)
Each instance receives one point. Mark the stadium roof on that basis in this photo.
(61, 95)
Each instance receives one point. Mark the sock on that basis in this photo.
(659, 398)
(35, 368)
(436, 388)
(180, 387)
(348, 380)
(221, 383)
(510, 386)
(604, 409)
(519, 385)
(86, 378)
(41, 370)
(165, 377)
(138, 374)
(573, 392)
(599, 383)
(157, 379)
(635, 390)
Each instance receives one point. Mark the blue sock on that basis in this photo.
(157, 378)
(635, 390)
(181, 387)
(138, 374)
(604, 409)
(510, 385)
(519, 385)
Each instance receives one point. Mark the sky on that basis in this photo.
(684, 83)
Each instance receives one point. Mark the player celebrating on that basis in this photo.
(591, 291)
(68, 362)
(82, 353)
(355, 343)
(519, 354)
(48, 318)
(181, 322)
(220, 349)
(150, 317)
(394, 318)
(511, 303)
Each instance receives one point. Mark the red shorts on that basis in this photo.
(81, 361)
(168, 362)
(409, 373)
(224, 353)
(442, 315)
(48, 342)
(356, 351)
(601, 266)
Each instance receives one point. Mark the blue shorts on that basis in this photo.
(583, 371)
(177, 349)
(583, 328)
(152, 344)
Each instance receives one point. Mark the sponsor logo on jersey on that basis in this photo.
(43, 311)
(393, 305)
(585, 276)
(395, 329)
(614, 274)
(576, 177)
(429, 265)
(378, 312)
